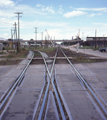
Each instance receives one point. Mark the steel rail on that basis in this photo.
(59, 103)
(46, 92)
(43, 104)
(45, 63)
(38, 102)
(53, 63)
(87, 86)
(56, 93)
(50, 73)
(12, 88)
(63, 100)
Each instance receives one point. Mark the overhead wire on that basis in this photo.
(6, 22)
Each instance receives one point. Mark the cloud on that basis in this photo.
(74, 14)
(48, 9)
(6, 3)
(100, 24)
(29, 24)
(39, 5)
(92, 9)
(60, 10)
(93, 14)
(26, 9)
(4, 13)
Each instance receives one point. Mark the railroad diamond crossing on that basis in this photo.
(53, 86)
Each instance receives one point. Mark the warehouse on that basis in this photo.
(97, 41)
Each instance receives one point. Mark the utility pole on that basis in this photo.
(95, 37)
(104, 40)
(16, 36)
(18, 13)
(78, 35)
(12, 37)
(36, 33)
(41, 35)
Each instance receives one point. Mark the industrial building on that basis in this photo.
(97, 41)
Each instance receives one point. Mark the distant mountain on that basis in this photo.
(1, 38)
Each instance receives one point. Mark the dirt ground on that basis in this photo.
(75, 58)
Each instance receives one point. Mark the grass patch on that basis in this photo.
(9, 62)
(46, 49)
(97, 48)
(49, 51)
(89, 47)
(37, 54)
(8, 48)
(22, 54)
(2, 53)
(80, 59)
(86, 47)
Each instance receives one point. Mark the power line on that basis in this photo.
(6, 22)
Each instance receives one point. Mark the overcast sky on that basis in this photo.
(62, 18)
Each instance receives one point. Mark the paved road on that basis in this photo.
(9, 73)
(96, 75)
(78, 101)
(23, 104)
(9, 78)
(89, 51)
(4, 70)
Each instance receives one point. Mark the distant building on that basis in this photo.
(98, 41)
(77, 40)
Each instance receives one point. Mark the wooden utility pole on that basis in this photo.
(12, 37)
(95, 37)
(36, 33)
(16, 37)
(41, 35)
(18, 13)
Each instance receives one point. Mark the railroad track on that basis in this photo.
(4, 100)
(51, 85)
(63, 112)
(94, 95)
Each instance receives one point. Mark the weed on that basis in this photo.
(89, 47)
(37, 54)
(2, 52)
